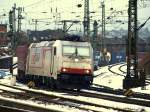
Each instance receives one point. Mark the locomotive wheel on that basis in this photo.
(31, 84)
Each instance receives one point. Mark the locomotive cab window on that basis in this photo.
(68, 50)
(83, 51)
(77, 50)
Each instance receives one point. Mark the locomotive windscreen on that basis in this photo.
(77, 50)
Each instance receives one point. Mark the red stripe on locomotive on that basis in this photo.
(76, 71)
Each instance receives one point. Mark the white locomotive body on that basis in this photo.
(61, 63)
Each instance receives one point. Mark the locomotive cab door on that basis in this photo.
(54, 63)
(47, 62)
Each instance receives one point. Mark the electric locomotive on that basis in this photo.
(60, 64)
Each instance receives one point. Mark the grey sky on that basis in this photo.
(67, 9)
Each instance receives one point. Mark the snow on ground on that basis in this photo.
(105, 78)
(143, 90)
(6, 80)
(85, 99)
(7, 88)
(46, 106)
(115, 81)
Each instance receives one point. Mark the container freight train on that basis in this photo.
(60, 64)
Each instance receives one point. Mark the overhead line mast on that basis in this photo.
(132, 39)
(103, 26)
(134, 77)
(86, 22)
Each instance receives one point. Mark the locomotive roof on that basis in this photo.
(63, 42)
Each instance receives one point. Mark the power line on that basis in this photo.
(142, 25)
(35, 3)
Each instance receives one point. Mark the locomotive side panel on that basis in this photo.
(35, 61)
(39, 60)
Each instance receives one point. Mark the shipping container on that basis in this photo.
(117, 57)
(96, 56)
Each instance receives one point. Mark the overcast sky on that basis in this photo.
(67, 9)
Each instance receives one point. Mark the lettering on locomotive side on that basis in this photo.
(35, 58)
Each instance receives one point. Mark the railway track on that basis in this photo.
(110, 68)
(120, 68)
(86, 94)
(122, 71)
(45, 99)
(141, 102)
(84, 105)
(67, 101)
(100, 88)
(8, 105)
(12, 109)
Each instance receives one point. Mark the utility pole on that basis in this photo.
(134, 77)
(95, 31)
(103, 26)
(12, 25)
(19, 18)
(14, 17)
(64, 28)
(86, 22)
(36, 23)
(132, 39)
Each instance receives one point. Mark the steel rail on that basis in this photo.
(105, 89)
(12, 106)
(75, 101)
(110, 69)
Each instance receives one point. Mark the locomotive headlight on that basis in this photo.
(87, 71)
(76, 59)
(64, 70)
